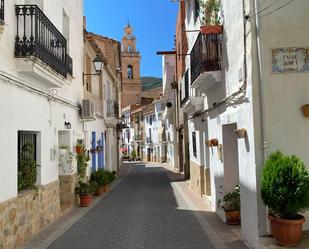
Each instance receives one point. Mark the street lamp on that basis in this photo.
(97, 64)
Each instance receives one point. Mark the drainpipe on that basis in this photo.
(262, 224)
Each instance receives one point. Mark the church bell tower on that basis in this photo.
(132, 86)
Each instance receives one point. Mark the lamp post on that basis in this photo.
(97, 64)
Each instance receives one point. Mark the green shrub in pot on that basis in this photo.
(285, 190)
(285, 185)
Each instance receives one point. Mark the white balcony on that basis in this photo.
(193, 105)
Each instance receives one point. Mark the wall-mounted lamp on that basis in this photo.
(97, 64)
(67, 125)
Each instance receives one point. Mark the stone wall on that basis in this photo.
(207, 181)
(197, 181)
(27, 214)
(67, 192)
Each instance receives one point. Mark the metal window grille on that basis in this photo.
(2, 10)
(186, 88)
(24, 139)
(194, 144)
(112, 108)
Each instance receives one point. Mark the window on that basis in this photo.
(27, 159)
(196, 9)
(150, 120)
(194, 144)
(2, 10)
(130, 71)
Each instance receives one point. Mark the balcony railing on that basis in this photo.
(206, 55)
(37, 36)
(69, 64)
(2, 10)
(112, 108)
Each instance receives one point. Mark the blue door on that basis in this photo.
(93, 147)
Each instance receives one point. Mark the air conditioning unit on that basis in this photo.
(88, 109)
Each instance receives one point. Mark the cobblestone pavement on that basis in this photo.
(143, 211)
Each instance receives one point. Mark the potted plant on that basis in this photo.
(27, 168)
(209, 143)
(79, 148)
(211, 20)
(85, 191)
(110, 176)
(133, 155)
(82, 164)
(99, 148)
(305, 109)
(214, 142)
(285, 190)
(101, 180)
(241, 132)
(230, 203)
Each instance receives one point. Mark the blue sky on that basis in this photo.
(153, 22)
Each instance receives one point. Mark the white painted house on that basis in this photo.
(251, 76)
(154, 131)
(40, 97)
(169, 115)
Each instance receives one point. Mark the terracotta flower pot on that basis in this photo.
(79, 149)
(99, 191)
(232, 217)
(286, 232)
(214, 142)
(208, 143)
(305, 109)
(241, 133)
(85, 200)
(106, 188)
(211, 29)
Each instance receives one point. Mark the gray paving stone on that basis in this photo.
(141, 212)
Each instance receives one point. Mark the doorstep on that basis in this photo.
(268, 242)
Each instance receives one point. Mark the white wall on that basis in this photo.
(285, 93)
(22, 109)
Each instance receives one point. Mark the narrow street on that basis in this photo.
(143, 211)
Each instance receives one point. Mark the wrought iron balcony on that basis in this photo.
(37, 36)
(112, 108)
(206, 55)
(2, 10)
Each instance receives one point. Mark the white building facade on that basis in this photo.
(251, 76)
(169, 115)
(41, 91)
(155, 135)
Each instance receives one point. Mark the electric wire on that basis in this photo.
(266, 8)
(277, 8)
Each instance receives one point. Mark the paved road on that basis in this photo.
(141, 212)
